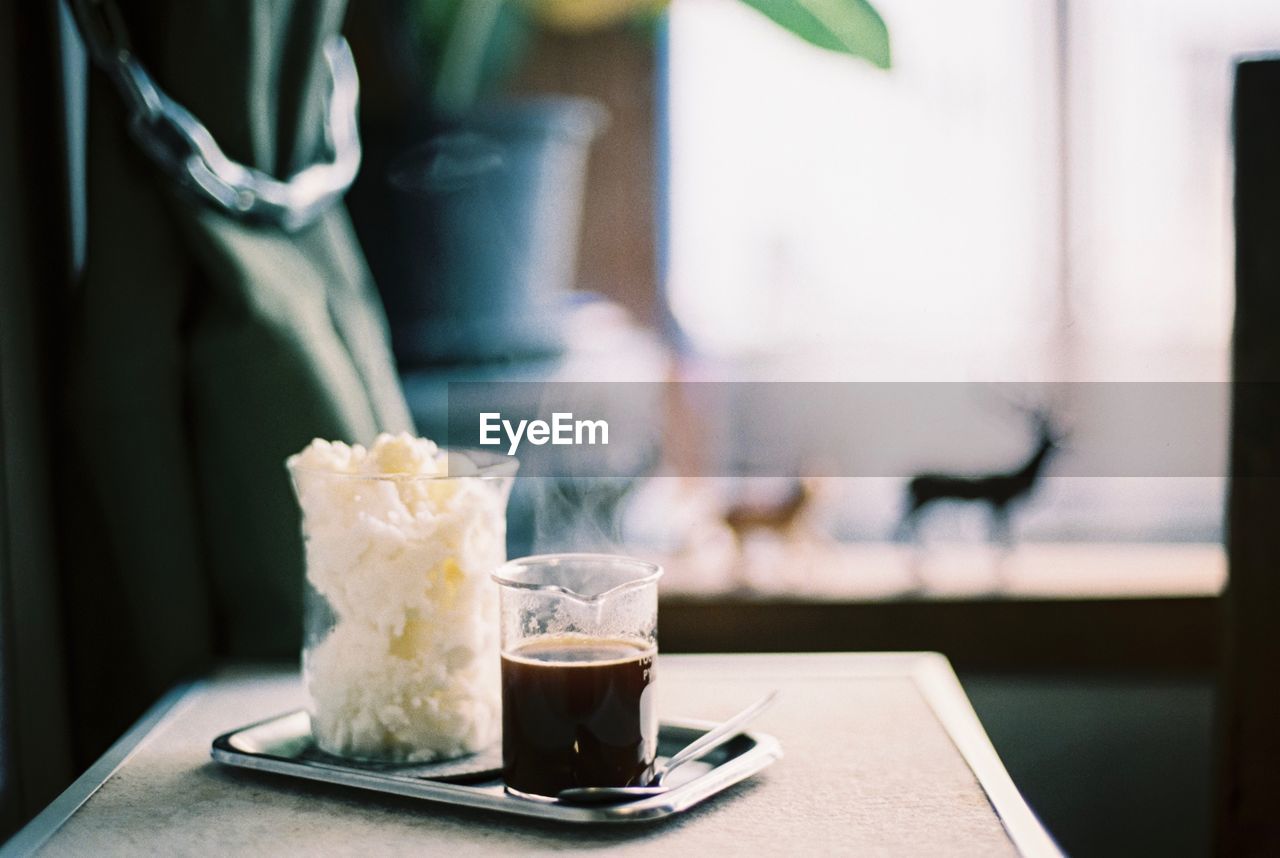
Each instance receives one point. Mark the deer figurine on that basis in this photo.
(997, 490)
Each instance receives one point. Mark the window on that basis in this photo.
(1036, 191)
(883, 223)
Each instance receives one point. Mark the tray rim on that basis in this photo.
(766, 751)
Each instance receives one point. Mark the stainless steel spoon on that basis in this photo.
(695, 750)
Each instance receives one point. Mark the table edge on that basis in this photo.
(936, 681)
(32, 836)
(945, 695)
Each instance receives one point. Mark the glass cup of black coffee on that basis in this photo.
(579, 640)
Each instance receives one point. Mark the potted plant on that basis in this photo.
(468, 206)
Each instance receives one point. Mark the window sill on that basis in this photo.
(1138, 608)
(878, 571)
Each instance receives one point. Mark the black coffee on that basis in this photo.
(577, 712)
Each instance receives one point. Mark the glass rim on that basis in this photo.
(652, 572)
(497, 467)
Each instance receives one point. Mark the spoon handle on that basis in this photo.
(714, 738)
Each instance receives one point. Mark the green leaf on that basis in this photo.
(471, 46)
(851, 27)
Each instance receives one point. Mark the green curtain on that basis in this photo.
(35, 756)
(203, 351)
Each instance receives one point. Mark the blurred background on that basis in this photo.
(636, 197)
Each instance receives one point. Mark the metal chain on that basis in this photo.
(184, 149)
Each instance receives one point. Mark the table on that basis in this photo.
(884, 756)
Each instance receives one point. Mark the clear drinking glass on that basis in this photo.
(579, 636)
(401, 618)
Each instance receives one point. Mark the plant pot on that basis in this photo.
(471, 227)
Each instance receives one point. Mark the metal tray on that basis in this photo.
(283, 745)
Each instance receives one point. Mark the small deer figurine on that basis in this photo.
(997, 490)
(778, 514)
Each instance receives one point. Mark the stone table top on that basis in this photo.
(883, 756)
